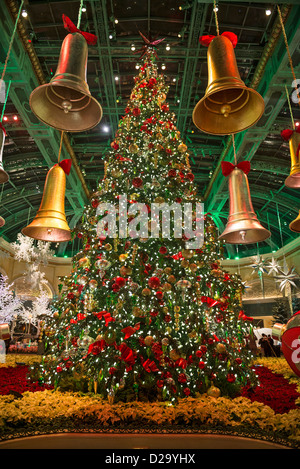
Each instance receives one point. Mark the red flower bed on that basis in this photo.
(274, 391)
(14, 379)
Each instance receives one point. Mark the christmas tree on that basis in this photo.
(145, 316)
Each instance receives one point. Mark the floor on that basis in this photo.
(135, 441)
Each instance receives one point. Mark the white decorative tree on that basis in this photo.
(40, 309)
(10, 304)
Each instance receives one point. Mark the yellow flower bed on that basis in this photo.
(46, 406)
(12, 359)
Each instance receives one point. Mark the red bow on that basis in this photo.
(150, 365)
(91, 39)
(65, 165)
(228, 167)
(127, 354)
(210, 301)
(243, 316)
(206, 40)
(107, 317)
(287, 133)
(129, 331)
(182, 363)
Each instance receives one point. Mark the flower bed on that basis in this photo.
(270, 412)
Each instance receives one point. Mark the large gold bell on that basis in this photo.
(3, 174)
(295, 225)
(242, 226)
(293, 180)
(228, 105)
(66, 103)
(50, 223)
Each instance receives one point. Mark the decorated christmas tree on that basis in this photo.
(142, 314)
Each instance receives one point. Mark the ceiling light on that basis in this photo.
(24, 13)
(110, 36)
(133, 47)
(15, 118)
(116, 21)
(297, 123)
(216, 9)
(105, 128)
(5, 118)
(116, 78)
(168, 47)
(174, 79)
(83, 9)
(268, 12)
(163, 67)
(137, 66)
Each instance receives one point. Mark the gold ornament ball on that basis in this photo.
(220, 348)
(193, 267)
(213, 391)
(182, 148)
(148, 340)
(174, 355)
(167, 270)
(171, 279)
(125, 271)
(133, 148)
(176, 309)
(187, 253)
(146, 292)
(108, 247)
(123, 257)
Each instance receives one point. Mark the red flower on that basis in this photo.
(120, 281)
(159, 295)
(190, 176)
(159, 383)
(172, 173)
(163, 250)
(167, 318)
(136, 111)
(230, 378)
(238, 361)
(112, 370)
(95, 203)
(199, 353)
(59, 369)
(201, 365)
(182, 378)
(154, 282)
(137, 182)
(115, 287)
(187, 391)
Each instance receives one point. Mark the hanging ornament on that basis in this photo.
(293, 137)
(273, 266)
(228, 105)
(242, 226)
(66, 103)
(288, 334)
(3, 174)
(259, 266)
(50, 223)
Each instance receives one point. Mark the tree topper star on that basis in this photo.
(148, 44)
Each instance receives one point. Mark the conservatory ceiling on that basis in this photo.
(31, 148)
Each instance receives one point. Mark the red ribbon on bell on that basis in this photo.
(91, 39)
(129, 330)
(206, 40)
(228, 167)
(243, 316)
(65, 165)
(287, 133)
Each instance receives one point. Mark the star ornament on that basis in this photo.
(286, 278)
(148, 44)
(259, 266)
(273, 266)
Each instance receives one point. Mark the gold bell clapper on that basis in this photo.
(2, 222)
(3, 174)
(228, 105)
(295, 225)
(66, 103)
(50, 223)
(242, 226)
(293, 137)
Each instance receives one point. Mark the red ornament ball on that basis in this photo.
(137, 182)
(154, 282)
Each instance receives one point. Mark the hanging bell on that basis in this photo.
(3, 174)
(295, 225)
(50, 223)
(293, 180)
(66, 103)
(242, 226)
(228, 105)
